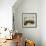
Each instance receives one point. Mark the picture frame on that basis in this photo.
(29, 20)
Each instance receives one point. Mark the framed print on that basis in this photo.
(29, 20)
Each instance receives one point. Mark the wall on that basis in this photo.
(28, 6)
(6, 16)
(6, 13)
(39, 6)
(43, 22)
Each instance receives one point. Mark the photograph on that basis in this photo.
(29, 20)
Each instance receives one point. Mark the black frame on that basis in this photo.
(36, 20)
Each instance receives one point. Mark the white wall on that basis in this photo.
(28, 6)
(31, 6)
(43, 22)
(6, 13)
